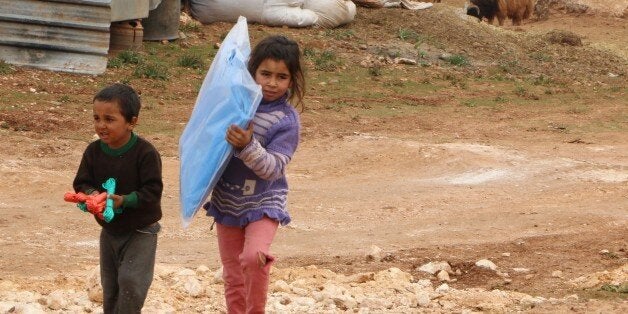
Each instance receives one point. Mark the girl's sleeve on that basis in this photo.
(270, 163)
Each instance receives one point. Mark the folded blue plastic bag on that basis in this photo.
(229, 95)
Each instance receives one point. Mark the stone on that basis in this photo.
(193, 287)
(434, 267)
(374, 254)
(442, 276)
(485, 263)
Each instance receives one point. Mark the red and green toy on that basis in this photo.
(99, 204)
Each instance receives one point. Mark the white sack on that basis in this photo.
(331, 13)
(268, 12)
(371, 3)
(286, 12)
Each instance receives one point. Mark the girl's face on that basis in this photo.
(274, 77)
(110, 124)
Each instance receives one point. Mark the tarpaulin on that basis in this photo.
(229, 95)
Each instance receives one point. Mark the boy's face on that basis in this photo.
(110, 124)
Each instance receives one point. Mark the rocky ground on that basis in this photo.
(445, 166)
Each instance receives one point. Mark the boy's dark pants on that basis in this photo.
(127, 263)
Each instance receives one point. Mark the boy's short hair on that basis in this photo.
(126, 97)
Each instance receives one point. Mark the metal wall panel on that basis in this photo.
(60, 35)
(124, 10)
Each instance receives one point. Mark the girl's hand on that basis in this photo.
(239, 137)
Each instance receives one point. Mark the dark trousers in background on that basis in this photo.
(127, 264)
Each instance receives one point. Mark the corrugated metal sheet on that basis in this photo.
(124, 10)
(59, 35)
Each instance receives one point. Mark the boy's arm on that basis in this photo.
(84, 181)
(151, 182)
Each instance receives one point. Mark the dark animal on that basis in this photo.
(516, 10)
(474, 10)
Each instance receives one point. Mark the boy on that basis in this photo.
(128, 243)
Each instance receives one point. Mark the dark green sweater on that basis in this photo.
(136, 167)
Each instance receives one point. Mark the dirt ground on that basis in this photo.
(542, 177)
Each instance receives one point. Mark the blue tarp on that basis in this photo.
(229, 95)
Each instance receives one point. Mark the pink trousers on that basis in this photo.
(246, 261)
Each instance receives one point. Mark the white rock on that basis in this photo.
(405, 61)
(424, 283)
(447, 305)
(442, 288)
(528, 302)
(345, 302)
(186, 273)
(359, 278)
(57, 300)
(218, 276)
(393, 274)
(304, 301)
(484, 263)
(506, 254)
(93, 287)
(301, 291)
(521, 270)
(423, 299)
(202, 269)
(434, 267)
(7, 285)
(280, 286)
(557, 274)
(374, 254)
(374, 304)
(193, 287)
(442, 276)
(28, 309)
(331, 290)
(158, 307)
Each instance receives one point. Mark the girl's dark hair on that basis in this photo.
(125, 96)
(281, 48)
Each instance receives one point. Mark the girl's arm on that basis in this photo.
(269, 161)
(267, 165)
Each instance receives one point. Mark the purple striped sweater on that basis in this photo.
(254, 183)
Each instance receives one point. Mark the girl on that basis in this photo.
(249, 201)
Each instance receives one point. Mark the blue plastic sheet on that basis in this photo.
(229, 95)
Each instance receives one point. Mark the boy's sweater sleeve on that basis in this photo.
(84, 180)
(151, 182)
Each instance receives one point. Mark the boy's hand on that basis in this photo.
(239, 137)
(117, 200)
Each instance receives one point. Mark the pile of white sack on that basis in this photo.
(293, 13)
(405, 4)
